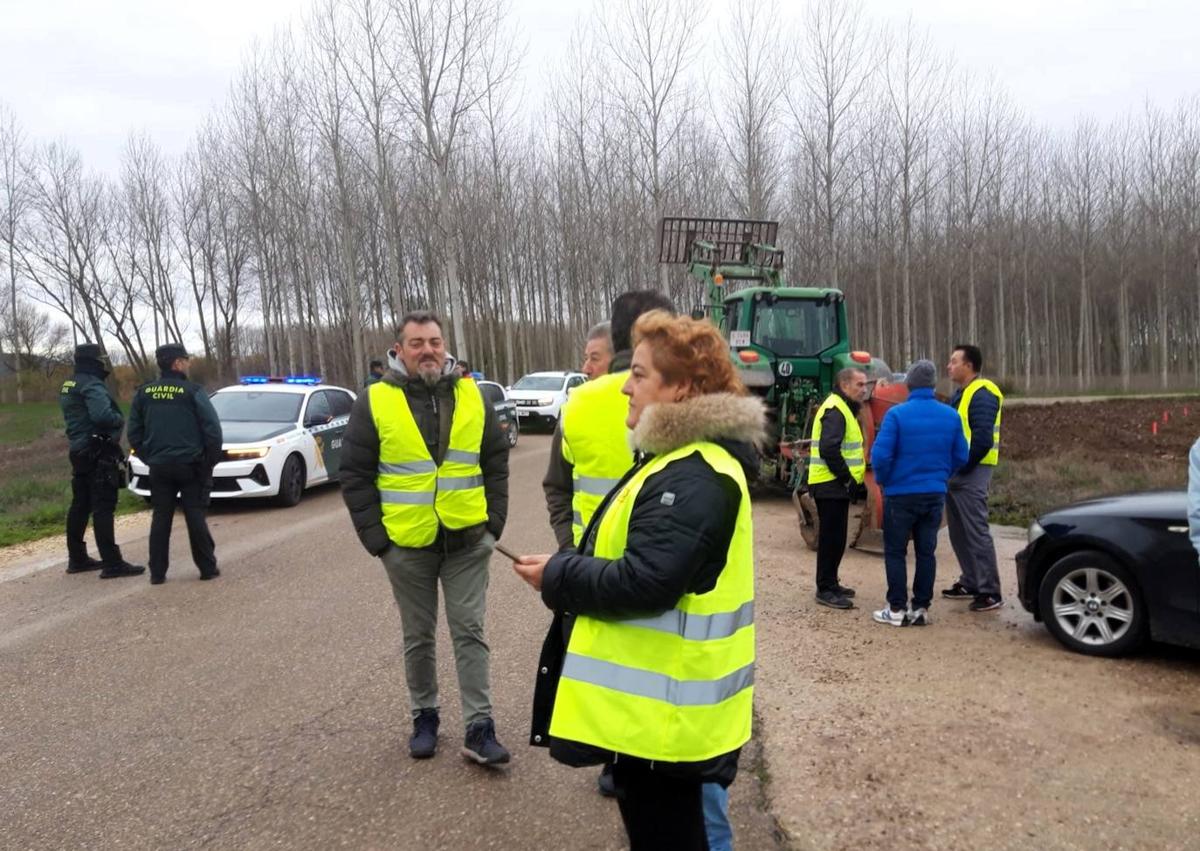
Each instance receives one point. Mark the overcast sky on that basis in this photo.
(90, 72)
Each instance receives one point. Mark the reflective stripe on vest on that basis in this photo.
(677, 686)
(852, 444)
(415, 493)
(964, 409)
(595, 442)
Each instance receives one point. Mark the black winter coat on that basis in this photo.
(433, 410)
(672, 548)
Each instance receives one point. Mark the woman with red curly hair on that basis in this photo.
(656, 675)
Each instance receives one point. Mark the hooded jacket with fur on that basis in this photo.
(432, 408)
(672, 548)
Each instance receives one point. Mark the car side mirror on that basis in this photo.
(317, 421)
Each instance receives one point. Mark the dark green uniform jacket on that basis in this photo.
(172, 421)
(89, 408)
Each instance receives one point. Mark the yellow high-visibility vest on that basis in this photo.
(852, 444)
(679, 686)
(416, 493)
(964, 409)
(595, 442)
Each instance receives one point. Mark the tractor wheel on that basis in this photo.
(806, 511)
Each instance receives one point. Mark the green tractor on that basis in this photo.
(788, 342)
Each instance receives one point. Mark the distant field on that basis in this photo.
(35, 474)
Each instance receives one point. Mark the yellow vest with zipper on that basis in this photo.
(418, 495)
(852, 445)
(675, 687)
(964, 410)
(595, 442)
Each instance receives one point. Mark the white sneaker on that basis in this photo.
(887, 616)
(918, 617)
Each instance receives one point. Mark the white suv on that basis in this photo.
(541, 395)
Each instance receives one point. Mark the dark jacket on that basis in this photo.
(833, 429)
(985, 407)
(433, 410)
(672, 549)
(559, 483)
(172, 421)
(89, 408)
(920, 445)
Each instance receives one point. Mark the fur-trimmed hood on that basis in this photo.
(718, 417)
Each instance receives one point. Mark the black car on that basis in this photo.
(506, 409)
(1108, 573)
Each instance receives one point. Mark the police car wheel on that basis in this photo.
(291, 482)
(513, 433)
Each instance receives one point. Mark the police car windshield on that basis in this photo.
(539, 382)
(251, 407)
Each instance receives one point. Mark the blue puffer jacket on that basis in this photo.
(919, 446)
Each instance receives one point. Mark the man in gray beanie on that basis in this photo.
(919, 447)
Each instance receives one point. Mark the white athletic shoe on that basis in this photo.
(918, 617)
(887, 616)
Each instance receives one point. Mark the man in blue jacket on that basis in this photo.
(919, 447)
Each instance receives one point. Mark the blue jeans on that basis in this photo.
(918, 516)
(716, 817)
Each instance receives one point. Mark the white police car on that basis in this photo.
(282, 435)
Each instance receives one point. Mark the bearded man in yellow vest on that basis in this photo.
(836, 469)
(978, 402)
(424, 473)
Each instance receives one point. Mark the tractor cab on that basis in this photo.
(789, 343)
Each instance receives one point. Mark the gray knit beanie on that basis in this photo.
(922, 373)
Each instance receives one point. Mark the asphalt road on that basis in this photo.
(268, 708)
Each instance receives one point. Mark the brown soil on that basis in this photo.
(1117, 431)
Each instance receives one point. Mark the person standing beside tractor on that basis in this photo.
(978, 402)
(919, 447)
(836, 470)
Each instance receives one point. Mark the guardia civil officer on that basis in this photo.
(94, 424)
(174, 428)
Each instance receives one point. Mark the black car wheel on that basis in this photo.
(1092, 605)
(514, 431)
(291, 482)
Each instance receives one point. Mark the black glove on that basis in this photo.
(857, 490)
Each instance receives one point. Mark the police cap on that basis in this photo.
(169, 352)
(88, 351)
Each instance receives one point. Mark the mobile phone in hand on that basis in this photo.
(507, 553)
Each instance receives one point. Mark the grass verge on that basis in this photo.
(1023, 490)
(35, 474)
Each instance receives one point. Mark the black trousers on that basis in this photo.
(832, 518)
(192, 482)
(661, 813)
(93, 494)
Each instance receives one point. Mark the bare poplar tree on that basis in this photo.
(15, 200)
(439, 68)
(836, 65)
(652, 45)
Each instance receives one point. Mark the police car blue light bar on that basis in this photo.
(280, 379)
